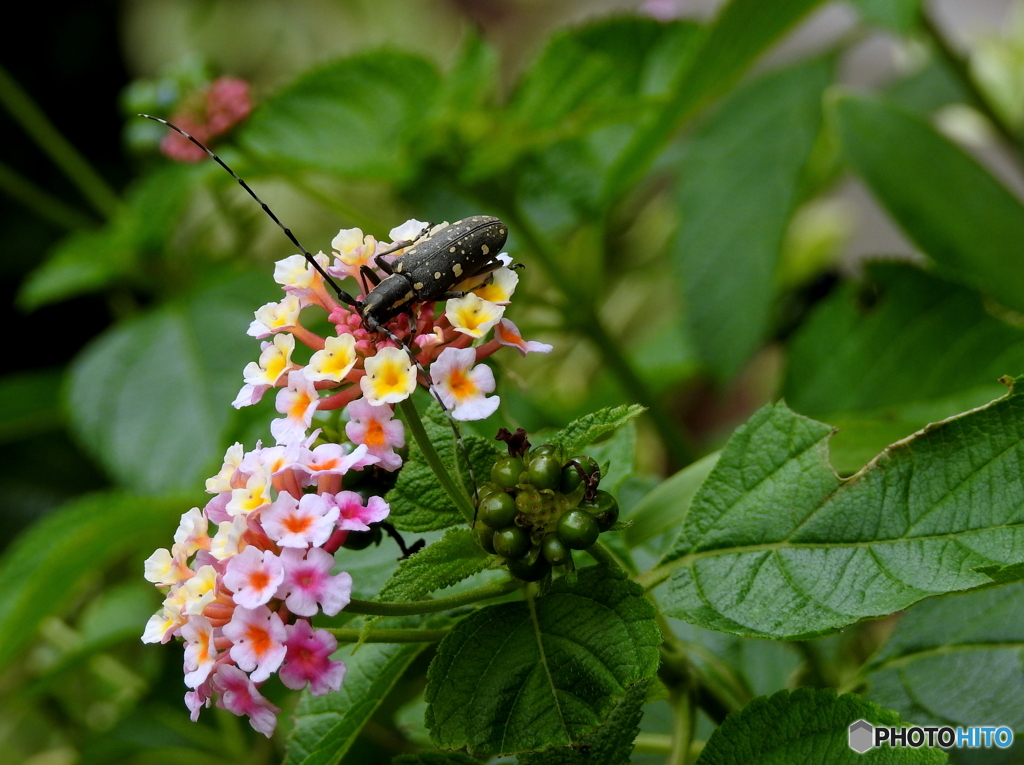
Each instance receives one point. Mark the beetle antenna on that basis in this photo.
(345, 297)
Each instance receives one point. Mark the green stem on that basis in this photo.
(486, 592)
(683, 718)
(588, 322)
(444, 477)
(963, 74)
(605, 556)
(57, 147)
(652, 743)
(389, 636)
(40, 202)
(651, 579)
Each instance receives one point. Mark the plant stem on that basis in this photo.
(486, 592)
(444, 477)
(588, 322)
(683, 718)
(651, 579)
(389, 636)
(40, 202)
(605, 556)
(652, 743)
(57, 147)
(963, 74)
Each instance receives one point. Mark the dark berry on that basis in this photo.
(578, 529)
(512, 542)
(604, 508)
(554, 549)
(506, 472)
(497, 510)
(529, 568)
(545, 471)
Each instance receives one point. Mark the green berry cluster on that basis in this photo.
(539, 506)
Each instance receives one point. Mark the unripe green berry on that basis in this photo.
(485, 536)
(604, 508)
(528, 501)
(578, 529)
(550, 450)
(497, 510)
(530, 568)
(512, 542)
(506, 472)
(555, 551)
(545, 471)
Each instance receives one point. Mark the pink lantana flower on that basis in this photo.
(375, 428)
(308, 581)
(331, 459)
(354, 516)
(309, 660)
(254, 576)
(200, 653)
(239, 696)
(506, 333)
(300, 522)
(258, 636)
(462, 387)
(297, 402)
(193, 532)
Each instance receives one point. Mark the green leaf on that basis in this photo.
(955, 660)
(738, 185)
(85, 261)
(150, 399)
(610, 744)
(92, 260)
(356, 117)
(326, 726)
(590, 427)
(576, 108)
(418, 503)
(775, 545)
(897, 15)
(948, 204)
(434, 758)
(618, 452)
(917, 339)
(805, 726)
(523, 676)
(43, 568)
(666, 505)
(31, 403)
(454, 557)
(743, 30)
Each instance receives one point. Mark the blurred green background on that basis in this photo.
(717, 205)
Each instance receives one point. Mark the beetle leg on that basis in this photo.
(382, 264)
(368, 275)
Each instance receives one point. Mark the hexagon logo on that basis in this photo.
(862, 736)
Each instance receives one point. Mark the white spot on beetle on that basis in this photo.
(398, 268)
(457, 269)
(437, 274)
(452, 249)
(418, 286)
(501, 231)
(485, 249)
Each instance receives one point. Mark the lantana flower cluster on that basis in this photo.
(243, 598)
(206, 114)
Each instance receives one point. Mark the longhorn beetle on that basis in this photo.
(440, 258)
